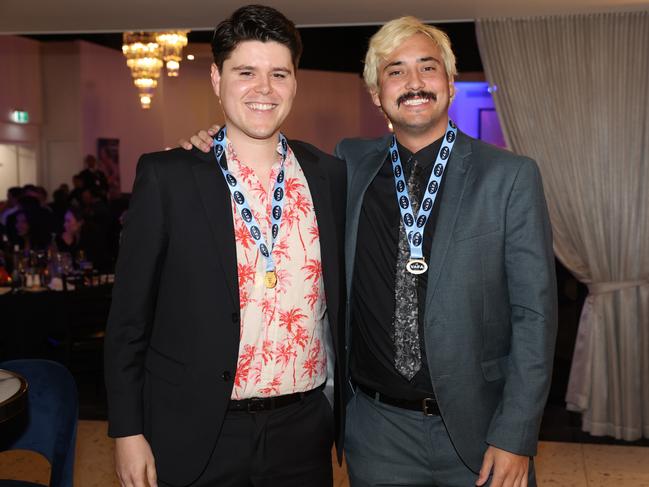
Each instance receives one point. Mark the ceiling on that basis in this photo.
(73, 16)
(340, 48)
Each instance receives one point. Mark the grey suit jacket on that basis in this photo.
(490, 322)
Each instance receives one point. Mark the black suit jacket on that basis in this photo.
(172, 339)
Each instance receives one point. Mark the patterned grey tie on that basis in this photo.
(407, 356)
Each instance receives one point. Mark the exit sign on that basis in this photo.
(19, 116)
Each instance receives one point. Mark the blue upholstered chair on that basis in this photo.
(49, 426)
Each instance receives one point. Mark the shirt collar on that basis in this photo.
(425, 156)
(231, 154)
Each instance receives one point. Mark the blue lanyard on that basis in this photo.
(415, 226)
(242, 204)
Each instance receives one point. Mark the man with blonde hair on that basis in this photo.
(451, 316)
(451, 285)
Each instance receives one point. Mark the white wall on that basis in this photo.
(20, 89)
(110, 108)
(61, 131)
(20, 83)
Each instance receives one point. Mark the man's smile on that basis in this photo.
(261, 107)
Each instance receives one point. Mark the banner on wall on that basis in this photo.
(108, 158)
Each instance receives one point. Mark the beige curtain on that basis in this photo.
(573, 93)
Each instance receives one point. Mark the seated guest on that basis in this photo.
(30, 233)
(39, 193)
(39, 219)
(11, 206)
(84, 240)
(70, 238)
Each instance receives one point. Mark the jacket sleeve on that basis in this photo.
(142, 250)
(531, 281)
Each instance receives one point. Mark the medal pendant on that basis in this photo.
(416, 266)
(270, 279)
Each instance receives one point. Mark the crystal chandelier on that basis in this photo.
(146, 52)
(172, 49)
(143, 57)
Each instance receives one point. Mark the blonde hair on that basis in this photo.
(391, 35)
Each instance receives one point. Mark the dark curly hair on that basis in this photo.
(255, 23)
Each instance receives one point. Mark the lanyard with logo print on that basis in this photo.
(415, 226)
(270, 278)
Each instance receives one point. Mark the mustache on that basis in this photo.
(416, 94)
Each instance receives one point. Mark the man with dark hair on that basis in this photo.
(220, 339)
(92, 176)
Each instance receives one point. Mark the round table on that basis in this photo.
(13, 394)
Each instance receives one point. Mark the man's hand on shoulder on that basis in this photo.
(134, 462)
(201, 140)
(509, 469)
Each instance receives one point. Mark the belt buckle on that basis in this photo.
(256, 404)
(429, 406)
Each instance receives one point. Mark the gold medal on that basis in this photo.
(270, 279)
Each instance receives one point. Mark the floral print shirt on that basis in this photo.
(281, 348)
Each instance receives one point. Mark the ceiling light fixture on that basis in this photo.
(146, 53)
(143, 57)
(172, 44)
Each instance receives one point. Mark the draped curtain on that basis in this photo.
(573, 93)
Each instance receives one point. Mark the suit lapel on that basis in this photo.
(361, 175)
(319, 185)
(456, 180)
(216, 201)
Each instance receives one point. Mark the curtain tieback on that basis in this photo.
(612, 286)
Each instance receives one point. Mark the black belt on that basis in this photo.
(256, 404)
(428, 405)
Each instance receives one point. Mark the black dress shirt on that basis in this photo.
(373, 300)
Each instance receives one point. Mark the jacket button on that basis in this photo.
(226, 376)
(235, 317)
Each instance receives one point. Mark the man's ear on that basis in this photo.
(374, 93)
(215, 76)
(451, 89)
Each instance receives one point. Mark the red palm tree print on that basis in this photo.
(291, 186)
(313, 269)
(314, 231)
(281, 333)
(289, 319)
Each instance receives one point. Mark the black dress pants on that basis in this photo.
(285, 447)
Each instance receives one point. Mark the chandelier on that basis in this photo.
(172, 49)
(146, 52)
